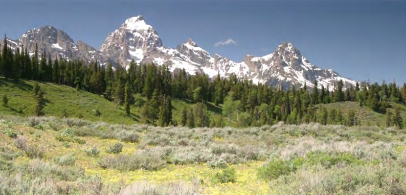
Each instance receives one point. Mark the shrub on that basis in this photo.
(96, 112)
(273, 169)
(127, 136)
(20, 143)
(11, 134)
(116, 148)
(217, 163)
(131, 163)
(34, 152)
(7, 157)
(329, 160)
(75, 122)
(5, 101)
(225, 176)
(67, 136)
(67, 160)
(33, 121)
(92, 152)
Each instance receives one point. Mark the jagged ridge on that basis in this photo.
(136, 40)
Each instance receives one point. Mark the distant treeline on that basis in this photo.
(244, 103)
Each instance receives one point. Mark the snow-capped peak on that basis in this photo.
(190, 44)
(136, 23)
(137, 40)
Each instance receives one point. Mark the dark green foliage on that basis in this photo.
(351, 119)
(40, 100)
(277, 167)
(274, 168)
(150, 111)
(200, 115)
(11, 133)
(5, 101)
(184, 117)
(240, 101)
(227, 175)
(328, 160)
(397, 119)
(338, 92)
(127, 99)
(191, 119)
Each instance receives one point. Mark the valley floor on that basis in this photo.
(71, 156)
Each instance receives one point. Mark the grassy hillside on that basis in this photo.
(63, 101)
(71, 156)
(366, 116)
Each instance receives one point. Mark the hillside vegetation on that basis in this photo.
(148, 93)
(64, 101)
(47, 155)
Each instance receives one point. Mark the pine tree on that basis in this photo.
(127, 99)
(27, 73)
(184, 117)
(351, 119)
(338, 93)
(119, 92)
(36, 89)
(6, 60)
(388, 118)
(315, 94)
(35, 63)
(17, 65)
(168, 116)
(397, 119)
(165, 112)
(151, 108)
(404, 92)
(55, 71)
(229, 107)
(40, 101)
(191, 119)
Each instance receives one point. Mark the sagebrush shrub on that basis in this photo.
(92, 151)
(116, 148)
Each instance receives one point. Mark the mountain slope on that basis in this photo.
(55, 43)
(136, 40)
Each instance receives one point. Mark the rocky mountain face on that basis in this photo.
(131, 41)
(136, 40)
(55, 43)
(286, 66)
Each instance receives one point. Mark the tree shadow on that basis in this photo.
(134, 117)
(22, 85)
(214, 108)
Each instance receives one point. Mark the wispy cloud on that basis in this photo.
(229, 41)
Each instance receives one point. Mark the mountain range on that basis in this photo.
(136, 40)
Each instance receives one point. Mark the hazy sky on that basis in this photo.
(362, 40)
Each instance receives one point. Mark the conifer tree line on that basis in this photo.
(243, 103)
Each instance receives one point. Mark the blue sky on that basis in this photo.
(362, 40)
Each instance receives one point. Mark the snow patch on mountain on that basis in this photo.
(136, 23)
(57, 46)
(136, 40)
(137, 55)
